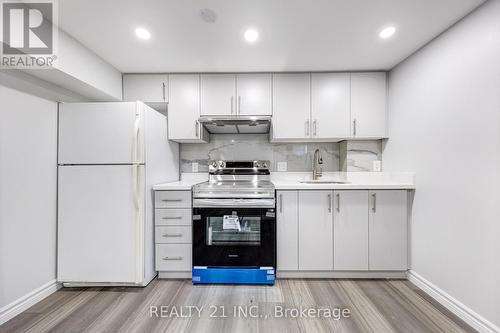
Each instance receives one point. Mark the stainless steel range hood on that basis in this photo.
(236, 124)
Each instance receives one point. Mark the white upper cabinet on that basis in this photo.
(291, 106)
(388, 223)
(315, 231)
(330, 104)
(287, 246)
(254, 95)
(184, 108)
(218, 94)
(368, 105)
(350, 230)
(149, 88)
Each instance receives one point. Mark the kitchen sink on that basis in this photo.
(323, 181)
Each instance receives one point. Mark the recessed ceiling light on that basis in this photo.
(142, 33)
(251, 35)
(387, 32)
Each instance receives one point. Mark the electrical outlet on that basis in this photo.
(377, 165)
(194, 167)
(282, 166)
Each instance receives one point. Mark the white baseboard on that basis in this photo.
(341, 275)
(174, 275)
(472, 318)
(22, 304)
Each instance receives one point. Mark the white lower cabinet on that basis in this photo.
(350, 234)
(342, 230)
(388, 229)
(287, 231)
(315, 230)
(173, 257)
(173, 233)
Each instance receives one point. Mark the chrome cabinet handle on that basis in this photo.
(197, 128)
(172, 235)
(374, 202)
(281, 203)
(232, 99)
(163, 84)
(171, 200)
(314, 127)
(338, 201)
(172, 217)
(354, 129)
(239, 105)
(329, 203)
(172, 258)
(307, 127)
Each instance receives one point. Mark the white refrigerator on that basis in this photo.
(110, 155)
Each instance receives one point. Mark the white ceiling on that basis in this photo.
(294, 35)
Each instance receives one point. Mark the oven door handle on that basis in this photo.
(237, 203)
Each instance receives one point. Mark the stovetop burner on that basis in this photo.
(236, 179)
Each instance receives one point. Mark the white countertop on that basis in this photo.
(296, 185)
(188, 180)
(176, 186)
(354, 181)
(291, 181)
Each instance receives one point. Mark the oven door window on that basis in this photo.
(233, 230)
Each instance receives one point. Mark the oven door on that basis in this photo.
(234, 237)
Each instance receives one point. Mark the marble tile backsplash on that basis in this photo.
(359, 155)
(257, 146)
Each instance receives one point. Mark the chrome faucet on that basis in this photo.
(317, 160)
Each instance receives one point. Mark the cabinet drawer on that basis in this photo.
(173, 199)
(173, 257)
(173, 217)
(173, 234)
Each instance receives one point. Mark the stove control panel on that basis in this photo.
(238, 165)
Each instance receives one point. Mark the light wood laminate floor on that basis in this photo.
(375, 306)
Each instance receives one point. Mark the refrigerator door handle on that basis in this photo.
(135, 142)
(135, 154)
(137, 188)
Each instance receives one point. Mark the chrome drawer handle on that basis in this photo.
(172, 217)
(170, 200)
(172, 258)
(172, 235)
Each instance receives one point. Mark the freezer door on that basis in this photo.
(101, 133)
(101, 224)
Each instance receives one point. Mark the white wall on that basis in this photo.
(444, 124)
(28, 159)
(80, 70)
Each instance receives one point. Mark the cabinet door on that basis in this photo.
(315, 231)
(350, 234)
(330, 105)
(184, 107)
(388, 242)
(287, 231)
(218, 94)
(145, 88)
(254, 94)
(291, 106)
(368, 105)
